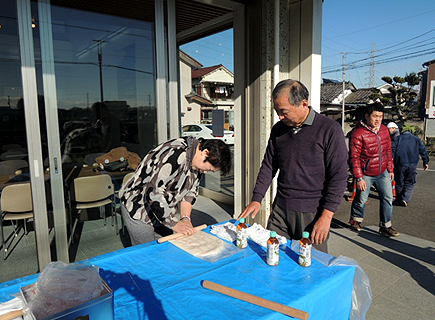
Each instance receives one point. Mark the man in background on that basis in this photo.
(406, 150)
(394, 130)
(372, 162)
(310, 153)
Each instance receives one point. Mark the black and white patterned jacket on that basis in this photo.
(163, 179)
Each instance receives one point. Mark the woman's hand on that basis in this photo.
(185, 227)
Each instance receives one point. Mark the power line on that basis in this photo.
(333, 68)
(388, 60)
(363, 62)
(410, 39)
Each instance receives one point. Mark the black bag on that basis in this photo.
(116, 166)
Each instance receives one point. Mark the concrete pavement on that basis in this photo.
(401, 270)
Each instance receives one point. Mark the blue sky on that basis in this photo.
(402, 33)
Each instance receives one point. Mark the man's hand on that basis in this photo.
(185, 227)
(425, 167)
(253, 208)
(361, 185)
(391, 176)
(321, 228)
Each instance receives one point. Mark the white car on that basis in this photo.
(205, 131)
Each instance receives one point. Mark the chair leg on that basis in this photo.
(70, 221)
(6, 245)
(15, 228)
(3, 240)
(71, 238)
(103, 213)
(25, 226)
(111, 213)
(115, 216)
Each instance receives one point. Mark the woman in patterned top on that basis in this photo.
(168, 178)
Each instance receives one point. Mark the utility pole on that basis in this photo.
(100, 62)
(344, 89)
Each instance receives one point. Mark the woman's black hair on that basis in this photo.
(219, 154)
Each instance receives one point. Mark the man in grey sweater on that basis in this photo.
(310, 153)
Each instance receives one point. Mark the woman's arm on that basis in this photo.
(185, 226)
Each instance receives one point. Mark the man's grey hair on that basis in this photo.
(295, 89)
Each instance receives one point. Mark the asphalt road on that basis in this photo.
(417, 219)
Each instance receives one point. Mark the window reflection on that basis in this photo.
(105, 76)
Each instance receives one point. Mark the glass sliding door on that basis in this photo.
(211, 83)
(26, 249)
(14, 160)
(105, 92)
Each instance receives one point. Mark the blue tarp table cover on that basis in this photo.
(160, 281)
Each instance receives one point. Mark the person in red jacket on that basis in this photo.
(371, 162)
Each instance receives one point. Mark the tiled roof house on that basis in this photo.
(359, 97)
(331, 99)
(215, 84)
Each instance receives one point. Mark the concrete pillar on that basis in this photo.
(299, 58)
(305, 41)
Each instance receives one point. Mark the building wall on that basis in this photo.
(219, 76)
(190, 112)
(430, 77)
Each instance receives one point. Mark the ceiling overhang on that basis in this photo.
(194, 18)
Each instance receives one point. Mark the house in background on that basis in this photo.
(204, 89)
(359, 99)
(385, 89)
(331, 97)
(190, 102)
(331, 101)
(427, 97)
(215, 84)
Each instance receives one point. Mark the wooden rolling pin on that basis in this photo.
(295, 313)
(178, 235)
(12, 315)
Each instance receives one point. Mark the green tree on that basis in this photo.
(376, 94)
(408, 127)
(415, 130)
(387, 80)
(412, 79)
(401, 96)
